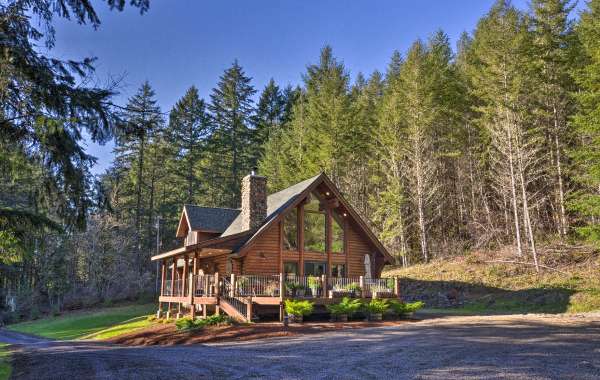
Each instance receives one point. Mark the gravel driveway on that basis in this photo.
(515, 347)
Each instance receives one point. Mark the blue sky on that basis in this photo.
(180, 43)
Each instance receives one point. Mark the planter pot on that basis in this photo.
(342, 317)
(376, 317)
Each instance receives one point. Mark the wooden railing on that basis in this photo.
(305, 286)
(381, 286)
(343, 283)
(176, 291)
(205, 285)
(248, 286)
(257, 286)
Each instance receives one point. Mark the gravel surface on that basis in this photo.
(513, 347)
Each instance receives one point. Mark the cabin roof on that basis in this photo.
(276, 204)
(228, 221)
(214, 219)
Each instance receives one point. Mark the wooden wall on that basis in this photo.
(263, 257)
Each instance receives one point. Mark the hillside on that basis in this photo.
(480, 282)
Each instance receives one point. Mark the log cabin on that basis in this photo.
(305, 241)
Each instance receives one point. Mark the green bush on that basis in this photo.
(401, 308)
(187, 323)
(377, 306)
(353, 287)
(346, 306)
(298, 307)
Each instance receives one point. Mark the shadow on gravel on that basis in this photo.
(480, 299)
(518, 348)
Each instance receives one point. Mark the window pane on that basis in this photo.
(315, 268)
(290, 231)
(338, 270)
(314, 232)
(290, 267)
(337, 232)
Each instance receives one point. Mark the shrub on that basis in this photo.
(401, 308)
(353, 287)
(346, 306)
(151, 318)
(185, 324)
(298, 307)
(313, 282)
(377, 306)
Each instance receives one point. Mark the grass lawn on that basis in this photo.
(4, 363)
(96, 324)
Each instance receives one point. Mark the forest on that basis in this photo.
(492, 143)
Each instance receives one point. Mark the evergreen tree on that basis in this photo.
(187, 134)
(142, 121)
(586, 200)
(552, 58)
(232, 111)
(270, 114)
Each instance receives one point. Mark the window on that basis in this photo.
(290, 231)
(315, 268)
(338, 270)
(290, 267)
(337, 232)
(314, 227)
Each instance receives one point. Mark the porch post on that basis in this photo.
(328, 239)
(361, 283)
(233, 285)
(163, 277)
(191, 295)
(324, 285)
(281, 295)
(397, 287)
(301, 239)
(217, 291)
(184, 279)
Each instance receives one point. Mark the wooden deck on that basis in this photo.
(242, 296)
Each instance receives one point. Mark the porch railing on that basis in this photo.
(257, 286)
(205, 285)
(304, 286)
(344, 283)
(294, 286)
(379, 285)
(173, 291)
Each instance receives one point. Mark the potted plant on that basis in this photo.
(294, 289)
(354, 289)
(376, 308)
(298, 309)
(314, 283)
(345, 309)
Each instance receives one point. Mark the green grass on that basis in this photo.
(500, 288)
(104, 322)
(5, 368)
(120, 329)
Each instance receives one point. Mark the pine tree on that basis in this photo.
(552, 50)
(142, 120)
(502, 81)
(187, 134)
(232, 111)
(586, 156)
(270, 114)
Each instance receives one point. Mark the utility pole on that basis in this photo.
(156, 286)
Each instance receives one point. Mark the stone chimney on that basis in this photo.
(254, 200)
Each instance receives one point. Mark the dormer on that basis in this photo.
(198, 223)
